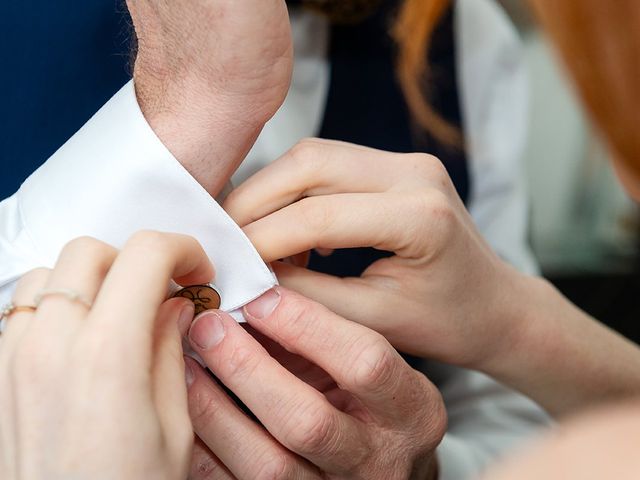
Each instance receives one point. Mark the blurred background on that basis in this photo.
(584, 229)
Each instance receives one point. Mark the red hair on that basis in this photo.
(412, 32)
(599, 41)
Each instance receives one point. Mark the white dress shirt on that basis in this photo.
(115, 177)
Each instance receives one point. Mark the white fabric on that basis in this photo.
(495, 100)
(115, 177)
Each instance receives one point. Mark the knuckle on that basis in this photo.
(242, 363)
(278, 466)
(437, 213)
(295, 320)
(203, 408)
(86, 246)
(148, 239)
(429, 167)
(156, 245)
(311, 430)
(375, 365)
(306, 157)
(304, 152)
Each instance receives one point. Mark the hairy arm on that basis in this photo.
(209, 74)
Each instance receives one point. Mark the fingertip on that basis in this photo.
(264, 306)
(185, 316)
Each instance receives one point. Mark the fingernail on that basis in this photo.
(188, 372)
(263, 306)
(207, 330)
(186, 317)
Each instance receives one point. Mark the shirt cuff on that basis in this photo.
(115, 177)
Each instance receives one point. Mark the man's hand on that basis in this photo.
(339, 403)
(209, 74)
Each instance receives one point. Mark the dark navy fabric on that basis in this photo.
(366, 106)
(60, 61)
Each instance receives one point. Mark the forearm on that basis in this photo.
(561, 357)
(208, 78)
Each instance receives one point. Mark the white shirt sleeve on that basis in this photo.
(494, 100)
(487, 421)
(111, 179)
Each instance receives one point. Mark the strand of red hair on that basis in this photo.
(414, 27)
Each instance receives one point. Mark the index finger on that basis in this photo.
(360, 360)
(313, 167)
(138, 282)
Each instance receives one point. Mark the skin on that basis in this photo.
(217, 70)
(333, 398)
(385, 420)
(516, 328)
(220, 82)
(209, 74)
(346, 406)
(99, 393)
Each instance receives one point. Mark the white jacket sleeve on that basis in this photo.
(111, 179)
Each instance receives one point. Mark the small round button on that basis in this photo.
(204, 297)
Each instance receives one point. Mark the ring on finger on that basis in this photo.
(69, 294)
(8, 310)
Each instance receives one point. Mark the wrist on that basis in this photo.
(519, 302)
(206, 99)
(209, 136)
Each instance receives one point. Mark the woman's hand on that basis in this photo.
(444, 294)
(349, 407)
(99, 393)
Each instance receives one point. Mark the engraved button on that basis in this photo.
(204, 297)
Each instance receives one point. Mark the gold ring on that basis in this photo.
(8, 310)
